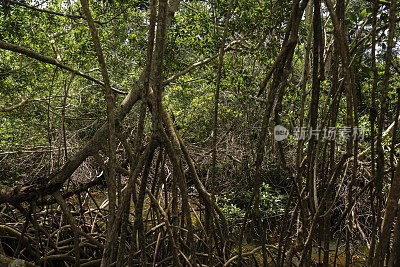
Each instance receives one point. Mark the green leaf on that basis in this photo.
(363, 14)
(352, 17)
(371, 73)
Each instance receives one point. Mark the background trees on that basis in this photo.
(120, 96)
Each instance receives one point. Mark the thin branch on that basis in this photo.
(52, 61)
(198, 64)
(20, 104)
(49, 11)
(17, 70)
(216, 98)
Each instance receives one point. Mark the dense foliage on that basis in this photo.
(259, 64)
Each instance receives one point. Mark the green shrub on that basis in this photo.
(272, 202)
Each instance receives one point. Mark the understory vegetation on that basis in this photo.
(199, 133)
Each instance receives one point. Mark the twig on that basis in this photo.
(52, 61)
